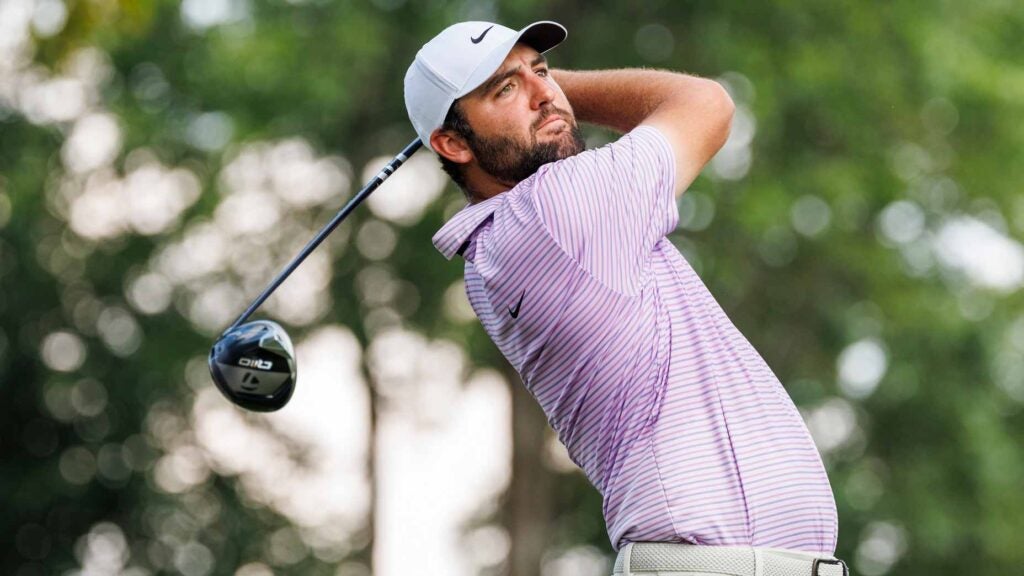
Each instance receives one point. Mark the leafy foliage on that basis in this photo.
(864, 132)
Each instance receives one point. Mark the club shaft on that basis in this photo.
(372, 185)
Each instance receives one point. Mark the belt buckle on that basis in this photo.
(819, 561)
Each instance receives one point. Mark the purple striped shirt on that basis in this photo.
(664, 404)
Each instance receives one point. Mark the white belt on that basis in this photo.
(645, 557)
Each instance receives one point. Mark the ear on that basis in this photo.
(451, 146)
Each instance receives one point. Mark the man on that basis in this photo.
(670, 412)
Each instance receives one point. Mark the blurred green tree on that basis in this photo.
(861, 228)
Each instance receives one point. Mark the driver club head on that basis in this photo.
(253, 365)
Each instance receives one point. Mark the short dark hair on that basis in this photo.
(455, 121)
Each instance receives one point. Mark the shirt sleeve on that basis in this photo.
(609, 207)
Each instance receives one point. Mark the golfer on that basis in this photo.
(702, 460)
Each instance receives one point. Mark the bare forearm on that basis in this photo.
(622, 99)
(694, 114)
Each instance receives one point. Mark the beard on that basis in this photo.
(511, 160)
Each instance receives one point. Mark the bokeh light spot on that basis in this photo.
(861, 366)
(654, 42)
(77, 465)
(63, 351)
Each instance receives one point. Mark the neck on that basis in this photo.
(483, 186)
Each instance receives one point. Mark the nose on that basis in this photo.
(542, 91)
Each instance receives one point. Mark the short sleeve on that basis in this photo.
(609, 207)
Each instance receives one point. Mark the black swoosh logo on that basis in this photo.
(477, 40)
(515, 311)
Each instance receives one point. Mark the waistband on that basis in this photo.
(647, 557)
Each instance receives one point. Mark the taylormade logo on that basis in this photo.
(255, 363)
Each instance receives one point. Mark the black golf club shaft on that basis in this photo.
(372, 185)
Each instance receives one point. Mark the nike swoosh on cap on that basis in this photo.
(480, 38)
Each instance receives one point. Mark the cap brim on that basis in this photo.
(541, 36)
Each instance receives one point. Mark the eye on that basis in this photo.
(506, 89)
(542, 72)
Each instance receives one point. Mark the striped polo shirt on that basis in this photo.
(658, 398)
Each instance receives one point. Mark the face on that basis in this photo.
(520, 119)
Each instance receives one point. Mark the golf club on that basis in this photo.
(253, 364)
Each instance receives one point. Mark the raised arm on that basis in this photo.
(693, 113)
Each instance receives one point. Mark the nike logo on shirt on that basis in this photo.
(515, 311)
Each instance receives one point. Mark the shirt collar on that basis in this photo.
(456, 232)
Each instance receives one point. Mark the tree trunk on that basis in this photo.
(528, 509)
(366, 554)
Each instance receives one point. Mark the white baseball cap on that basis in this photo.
(459, 59)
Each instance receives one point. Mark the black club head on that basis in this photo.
(253, 365)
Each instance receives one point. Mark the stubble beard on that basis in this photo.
(511, 160)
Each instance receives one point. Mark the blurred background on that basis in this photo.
(161, 160)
